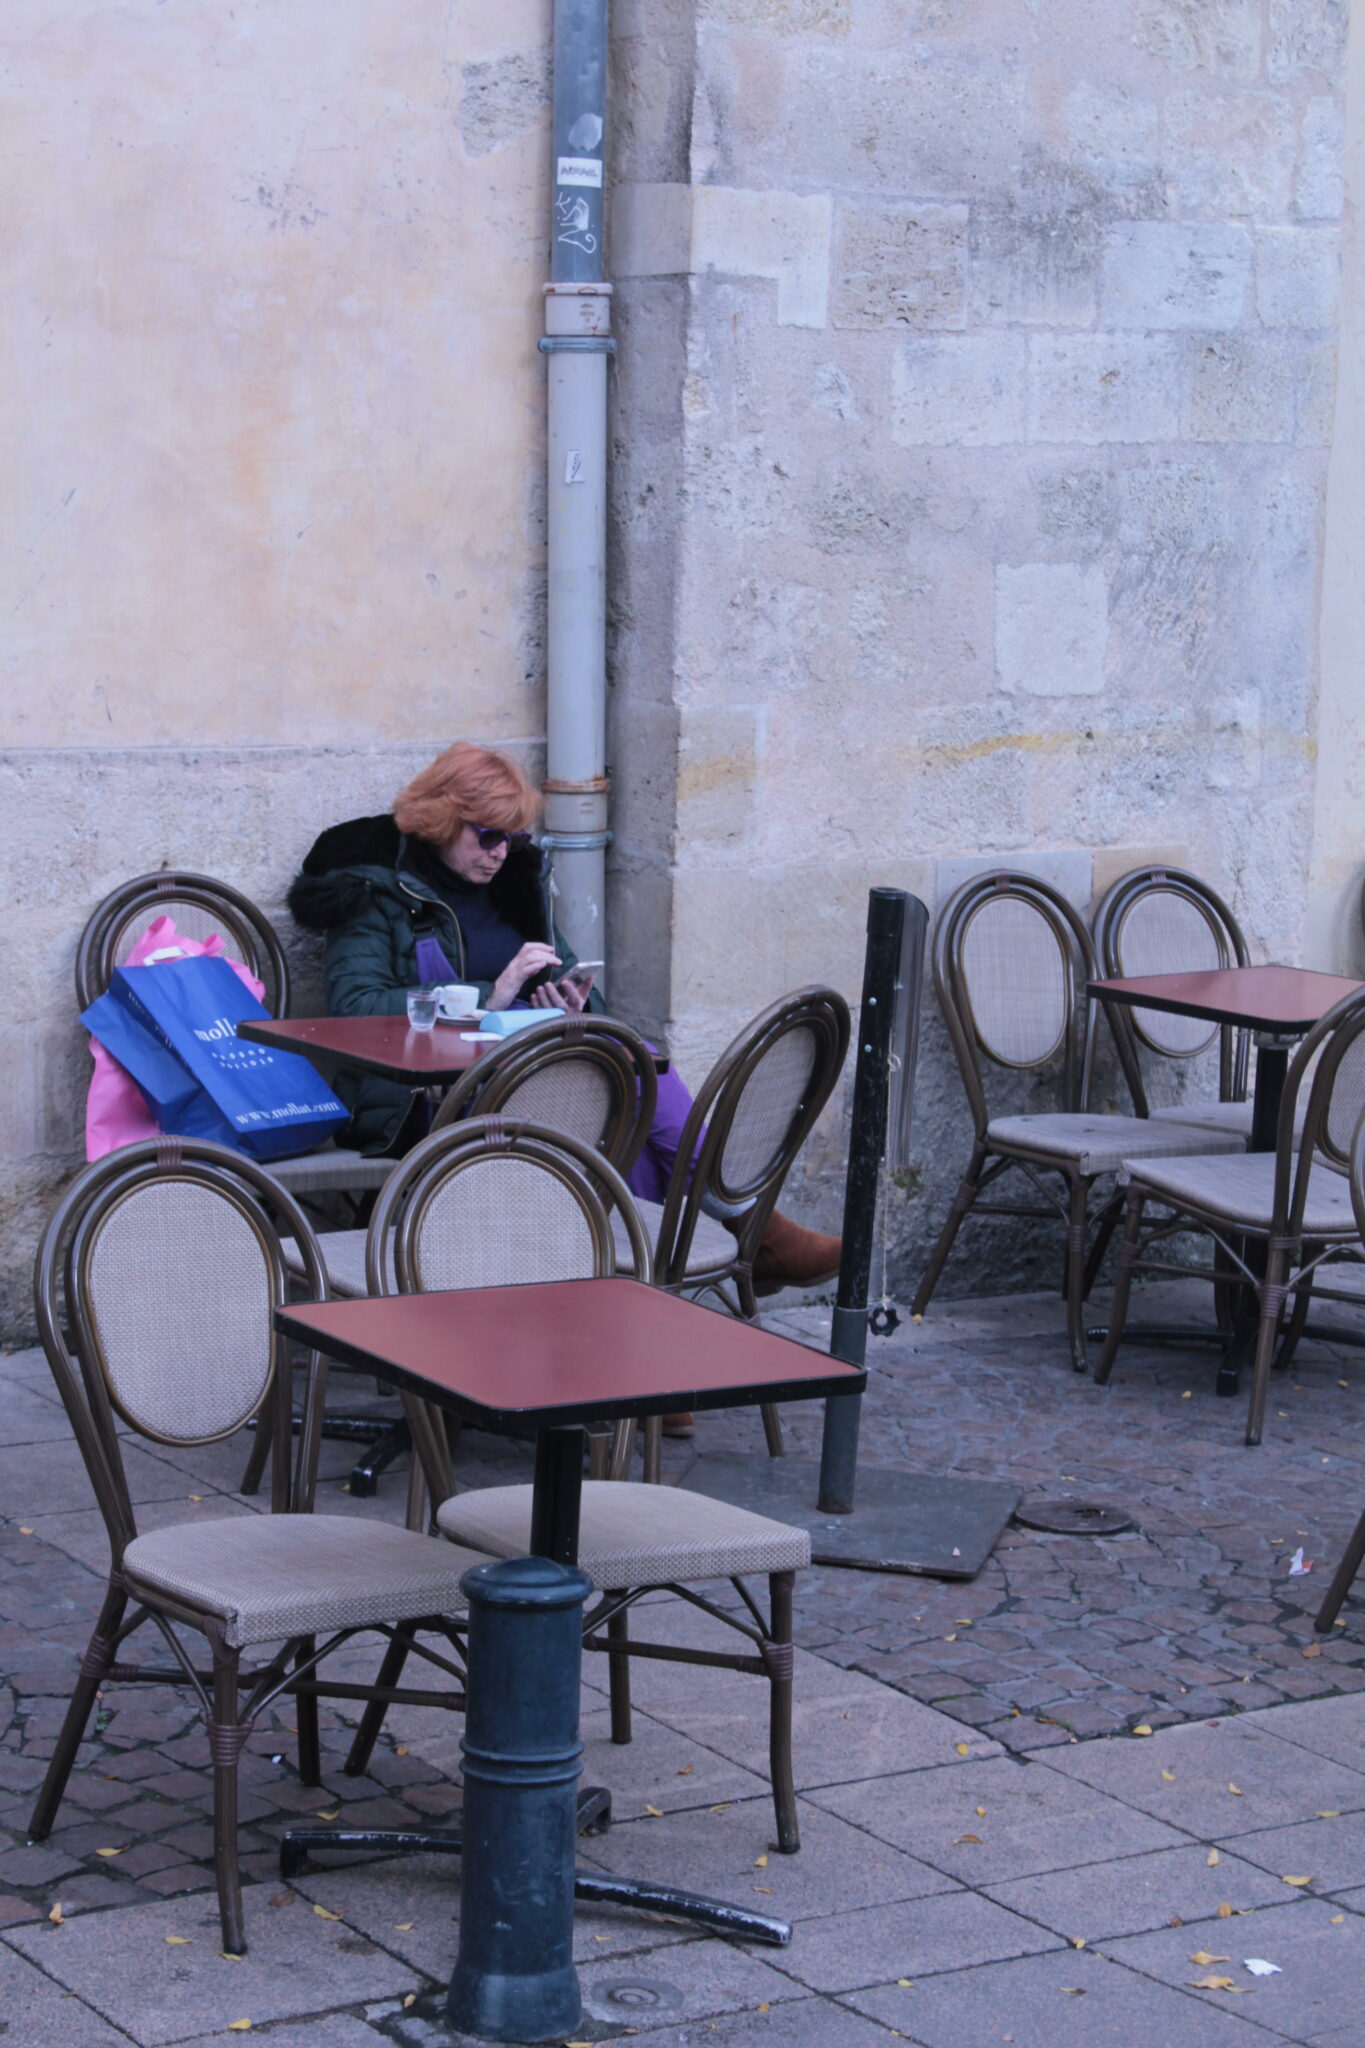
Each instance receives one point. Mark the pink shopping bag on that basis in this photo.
(115, 1111)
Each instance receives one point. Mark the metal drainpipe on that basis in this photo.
(577, 341)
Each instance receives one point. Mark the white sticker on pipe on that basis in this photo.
(578, 170)
(573, 467)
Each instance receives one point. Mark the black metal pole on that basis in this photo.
(514, 1975)
(886, 909)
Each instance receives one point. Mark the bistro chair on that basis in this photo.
(1295, 1203)
(750, 1118)
(202, 906)
(188, 1367)
(1011, 963)
(590, 1077)
(1354, 1554)
(486, 1204)
(1158, 920)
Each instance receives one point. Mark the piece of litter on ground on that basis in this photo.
(1260, 1968)
(1213, 1859)
(1299, 1565)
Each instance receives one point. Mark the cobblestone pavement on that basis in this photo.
(1190, 1614)
(956, 1852)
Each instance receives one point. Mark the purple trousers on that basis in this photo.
(652, 1171)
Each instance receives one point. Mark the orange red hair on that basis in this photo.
(466, 785)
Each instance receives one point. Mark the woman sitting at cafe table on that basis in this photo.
(450, 886)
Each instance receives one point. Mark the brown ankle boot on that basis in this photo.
(792, 1256)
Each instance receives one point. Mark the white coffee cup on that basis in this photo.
(456, 999)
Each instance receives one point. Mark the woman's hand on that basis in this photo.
(560, 995)
(533, 958)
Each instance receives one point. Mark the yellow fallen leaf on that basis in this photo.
(962, 1622)
(767, 1888)
(228, 1957)
(1297, 1881)
(1074, 1990)
(760, 1863)
(1343, 1383)
(194, 1496)
(1212, 1984)
(1225, 1911)
(686, 1770)
(1169, 1776)
(1142, 1729)
(1235, 1790)
(657, 1811)
(1213, 1859)
(108, 1852)
(963, 1748)
(406, 1927)
(410, 1999)
(906, 1983)
(968, 1838)
(1203, 1958)
(1312, 1649)
(239, 2026)
(1328, 1813)
(55, 1916)
(950, 1639)
(1188, 1395)
(1337, 1920)
(401, 1750)
(763, 2007)
(1078, 1941)
(724, 1807)
(323, 1913)
(981, 1813)
(177, 1940)
(23, 1531)
(320, 1815)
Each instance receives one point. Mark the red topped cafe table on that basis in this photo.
(560, 1354)
(380, 1045)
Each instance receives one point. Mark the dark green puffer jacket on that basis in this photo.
(358, 891)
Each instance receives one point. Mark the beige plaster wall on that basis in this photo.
(272, 418)
(1010, 338)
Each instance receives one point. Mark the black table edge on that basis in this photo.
(1102, 992)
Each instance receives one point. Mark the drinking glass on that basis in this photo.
(421, 1008)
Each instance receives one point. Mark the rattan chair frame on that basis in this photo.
(1076, 1045)
(1293, 1264)
(616, 1050)
(1115, 907)
(230, 1697)
(151, 895)
(824, 1013)
(1343, 1578)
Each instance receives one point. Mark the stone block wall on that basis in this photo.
(1011, 344)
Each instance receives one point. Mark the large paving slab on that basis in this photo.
(1067, 2000)
(1219, 1780)
(950, 1931)
(729, 1855)
(1319, 1951)
(1333, 1727)
(122, 1964)
(49, 1478)
(1136, 1893)
(35, 2010)
(990, 1821)
(1330, 1849)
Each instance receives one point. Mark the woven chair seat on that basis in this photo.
(1242, 1189)
(1100, 1144)
(712, 1244)
(1224, 1116)
(634, 1535)
(331, 1169)
(270, 1577)
(344, 1254)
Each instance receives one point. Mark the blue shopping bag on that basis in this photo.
(274, 1103)
(175, 1098)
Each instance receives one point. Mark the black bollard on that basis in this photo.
(514, 1976)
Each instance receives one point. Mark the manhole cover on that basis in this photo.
(1074, 1517)
(640, 1994)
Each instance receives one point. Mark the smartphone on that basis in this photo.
(583, 971)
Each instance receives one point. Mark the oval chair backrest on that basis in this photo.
(490, 1204)
(176, 1281)
(769, 1103)
(200, 907)
(593, 1078)
(1346, 1104)
(1015, 970)
(1163, 921)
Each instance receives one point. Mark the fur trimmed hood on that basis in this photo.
(348, 863)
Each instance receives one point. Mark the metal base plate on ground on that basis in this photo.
(1074, 1517)
(901, 1521)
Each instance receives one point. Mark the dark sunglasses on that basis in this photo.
(490, 836)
